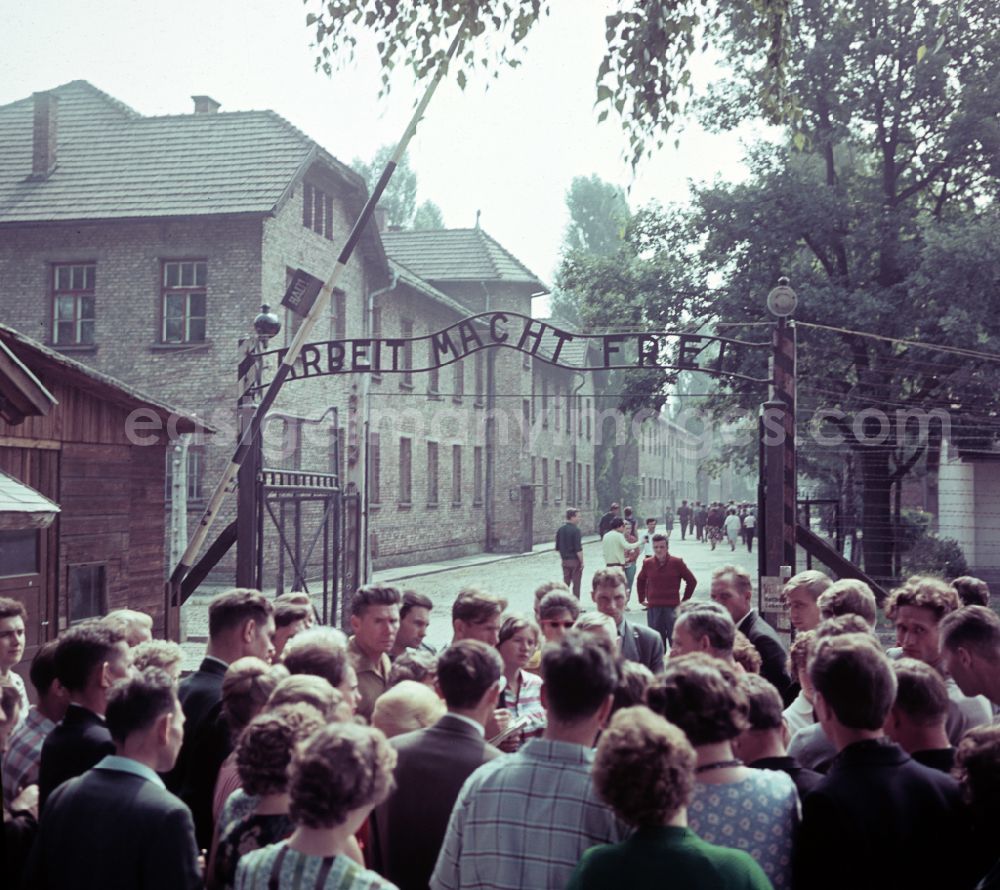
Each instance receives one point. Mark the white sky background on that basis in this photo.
(510, 151)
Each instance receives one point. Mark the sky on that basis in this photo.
(509, 152)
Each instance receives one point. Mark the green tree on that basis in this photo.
(881, 209)
(599, 213)
(619, 272)
(644, 76)
(428, 216)
(400, 196)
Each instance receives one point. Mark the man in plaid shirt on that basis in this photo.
(24, 748)
(524, 821)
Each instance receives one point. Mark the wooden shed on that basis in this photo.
(96, 450)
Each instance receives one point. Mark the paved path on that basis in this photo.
(513, 577)
(516, 577)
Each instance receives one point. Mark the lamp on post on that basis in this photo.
(777, 497)
(266, 325)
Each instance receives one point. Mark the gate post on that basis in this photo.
(778, 500)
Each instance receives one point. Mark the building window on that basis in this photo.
(558, 482)
(557, 408)
(458, 381)
(545, 480)
(534, 476)
(588, 484)
(432, 474)
(587, 409)
(569, 481)
(525, 425)
(317, 211)
(338, 315)
(406, 326)
(19, 553)
(184, 284)
(73, 304)
(480, 379)
(87, 592)
(374, 469)
(434, 383)
(456, 475)
(569, 413)
(477, 473)
(579, 483)
(545, 403)
(195, 474)
(405, 466)
(533, 398)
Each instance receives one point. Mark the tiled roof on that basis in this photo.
(456, 255)
(41, 359)
(428, 290)
(113, 163)
(574, 353)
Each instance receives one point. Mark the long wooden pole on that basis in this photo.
(318, 311)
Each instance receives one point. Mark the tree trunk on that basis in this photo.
(876, 520)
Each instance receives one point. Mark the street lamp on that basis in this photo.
(782, 300)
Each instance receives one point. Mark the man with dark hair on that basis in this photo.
(733, 589)
(659, 587)
(475, 615)
(289, 619)
(13, 616)
(569, 544)
(414, 620)
(24, 747)
(525, 820)
(970, 645)
(917, 719)
(604, 525)
(684, 514)
(375, 622)
(638, 642)
(117, 827)
(89, 658)
(434, 763)
(240, 623)
(863, 823)
(762, 744)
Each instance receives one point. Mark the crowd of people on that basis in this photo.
(570, 747)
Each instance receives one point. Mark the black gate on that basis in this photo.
(299, 535)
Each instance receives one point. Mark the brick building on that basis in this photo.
(144, 247)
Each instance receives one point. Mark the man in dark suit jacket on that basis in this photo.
(409, 827)
(878, 819)
(240, 624)
(88, 659)
(733, 588)
(638, 642)
(116, 827)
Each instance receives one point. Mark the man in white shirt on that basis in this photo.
(646, 537)
(614, 545)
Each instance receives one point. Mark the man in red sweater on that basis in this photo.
(659, 587)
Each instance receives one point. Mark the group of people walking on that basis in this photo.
(715, 522)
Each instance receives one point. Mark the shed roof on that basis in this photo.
(42, 361)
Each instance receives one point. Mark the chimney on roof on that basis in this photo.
(478, 214)
(43, 151)
(381, 217)
(205, 105)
